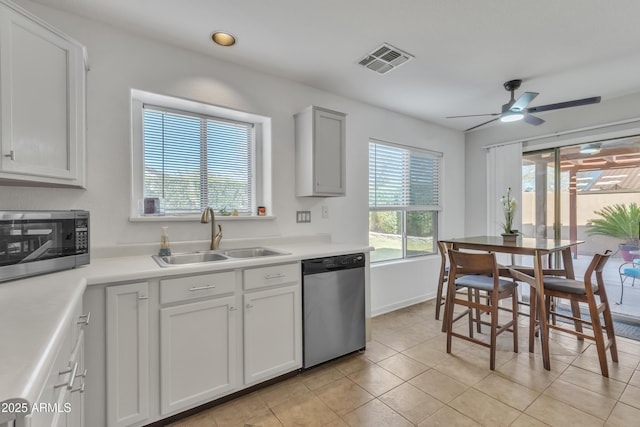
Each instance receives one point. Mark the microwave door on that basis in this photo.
(42, 250)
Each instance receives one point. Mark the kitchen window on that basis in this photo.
(404, 200)
(191, 155)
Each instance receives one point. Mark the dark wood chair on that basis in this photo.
(443, 248)
(585, 292)
(479, 272)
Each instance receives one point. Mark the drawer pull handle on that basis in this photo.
(274, 276)
(84, 319)
(232, 309)
(200, 288)
(143, 297)
(73, 370)
(11, 155)
(80, 389)
(249, 306)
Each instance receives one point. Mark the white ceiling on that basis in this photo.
(464, 49)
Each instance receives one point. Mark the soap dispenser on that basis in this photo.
(165, 250)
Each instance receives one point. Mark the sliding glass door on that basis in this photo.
(564, 188)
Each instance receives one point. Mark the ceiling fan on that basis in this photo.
(516, 109)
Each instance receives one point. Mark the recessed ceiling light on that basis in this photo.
(223, 39)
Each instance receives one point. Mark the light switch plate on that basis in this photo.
(303, 216)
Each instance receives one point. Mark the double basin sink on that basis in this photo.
(215, 256)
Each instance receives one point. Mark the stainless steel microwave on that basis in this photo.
(38, 242)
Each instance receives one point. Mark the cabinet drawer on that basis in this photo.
(262, 277)
(202, 285)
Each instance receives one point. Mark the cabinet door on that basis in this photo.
(197, 352)
(42, 84)
(329, 152)
(272, 333)
(127, 354)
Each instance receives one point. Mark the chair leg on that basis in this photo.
(478, 314)
(470, 314)
(514, 304)
(533, 316)
(575, 311)
(608, 325)
(599, 338)
(441, 281)
(621, 289)
(494, 328)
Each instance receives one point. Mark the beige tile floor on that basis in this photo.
(406, 378)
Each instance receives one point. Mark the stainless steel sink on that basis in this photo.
(188, 258)
(214, 256)
(252, 252)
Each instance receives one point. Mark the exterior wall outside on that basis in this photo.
(586, 205)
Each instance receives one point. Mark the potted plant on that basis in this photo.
(620, 221)
(509, 208)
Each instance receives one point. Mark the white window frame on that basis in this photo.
(406, 207)
(262, 170)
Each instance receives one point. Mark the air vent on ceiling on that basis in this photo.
(385, 58)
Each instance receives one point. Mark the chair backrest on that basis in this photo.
(472, 263)
(444, 248)
(596, 265)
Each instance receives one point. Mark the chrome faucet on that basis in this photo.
(215, 236)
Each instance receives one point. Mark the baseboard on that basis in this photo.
(401, 304)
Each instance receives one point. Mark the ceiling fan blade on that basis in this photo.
(482, 124)
(568, 104)
(523, 101)
(532, 120)
(474, 115)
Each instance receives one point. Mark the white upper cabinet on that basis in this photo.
(320, 152)
(42, 102)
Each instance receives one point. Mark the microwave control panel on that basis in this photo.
(82, 234)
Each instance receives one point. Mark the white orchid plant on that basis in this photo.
(509, 206)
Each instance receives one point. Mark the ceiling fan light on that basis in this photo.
(590, 149)
(511, 116)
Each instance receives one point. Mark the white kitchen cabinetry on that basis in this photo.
(198, 351)
(169, 344)
(61, 402)
(42, 101)
(320, 152)
(127, 333)
(272, 322)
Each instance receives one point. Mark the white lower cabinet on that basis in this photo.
(127, 334)
(197, 352)
(61, 402)
(174, 343)
(272, 335)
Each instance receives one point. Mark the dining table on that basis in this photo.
(538, 248)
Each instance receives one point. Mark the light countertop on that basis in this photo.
(34, 311)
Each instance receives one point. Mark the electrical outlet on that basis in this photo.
(325, 211)
(303, 216)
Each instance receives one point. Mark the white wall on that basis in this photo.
(120, 61)
(559, 124)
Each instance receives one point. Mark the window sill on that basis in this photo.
(193, 218)
(415, 258)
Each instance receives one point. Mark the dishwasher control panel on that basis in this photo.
(340, 262)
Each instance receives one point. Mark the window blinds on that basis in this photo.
(194, 161)
(403, 177)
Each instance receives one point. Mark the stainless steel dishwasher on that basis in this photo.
(333, 307)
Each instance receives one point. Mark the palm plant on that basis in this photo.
(619, 221)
